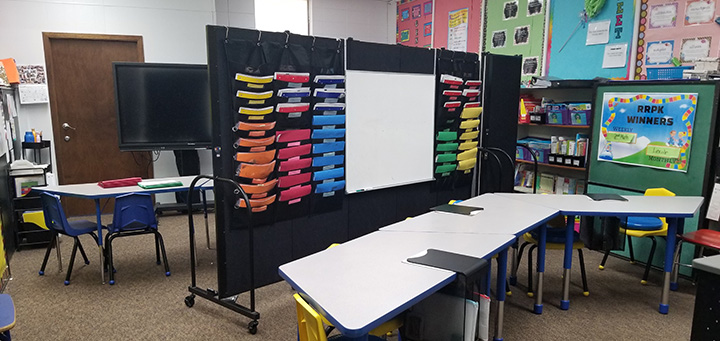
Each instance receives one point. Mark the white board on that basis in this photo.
(390, 129)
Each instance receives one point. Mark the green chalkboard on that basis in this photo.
(609, 177)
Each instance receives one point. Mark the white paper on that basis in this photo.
(713, 212)
(458, 30)
(663, 15)
(694, 49)
(33, 93)
(699, 12)
(659, 52)
(615, 55)
(598, 33)
(10, 100)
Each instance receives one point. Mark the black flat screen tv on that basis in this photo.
(162, 106)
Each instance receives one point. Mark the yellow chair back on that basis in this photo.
(310, 325)
(659, 192)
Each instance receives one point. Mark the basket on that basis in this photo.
(657, 73)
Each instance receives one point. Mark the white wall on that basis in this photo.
(173, 31)
(366, 20)
(235, 13)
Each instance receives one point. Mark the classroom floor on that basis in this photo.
(146, 305)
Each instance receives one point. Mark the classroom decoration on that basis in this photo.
(593, 7)
(647, 129)
(414, 23)
(568, 39)
(457, 116)
(517, 28)
(458, 25)
(670, 32)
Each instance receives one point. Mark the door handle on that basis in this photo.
(67, 126)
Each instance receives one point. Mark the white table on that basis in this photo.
(95, 192)
(675, 209)
(500, 215)
(364, 282)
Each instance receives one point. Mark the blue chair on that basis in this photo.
(56, 221)
(7, 316)
(134, 215)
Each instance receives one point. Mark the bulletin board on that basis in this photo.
(517, 27)
(563, 29)
(684, 29)
(414, 23)
(447, 24)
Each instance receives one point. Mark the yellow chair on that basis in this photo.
(555, 240)
(640, 227)
(311, 325)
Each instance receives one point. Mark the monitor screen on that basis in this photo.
(162, 106)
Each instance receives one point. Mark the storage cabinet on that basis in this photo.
(558, 134)
(24, 200)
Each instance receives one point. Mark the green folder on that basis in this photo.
(447, 147)
(159, 184)
(446, 135)
(442, 158)
(445, 168)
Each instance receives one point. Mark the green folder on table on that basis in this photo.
(149, 184)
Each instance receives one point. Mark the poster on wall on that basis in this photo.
(498, 39)
(458, 30)
(699, 12)
(534, 7)
(662, 16)
(647, 129)
(414, 23)
(693, 49)
(659, 52)
(521, 36)
(510, 10)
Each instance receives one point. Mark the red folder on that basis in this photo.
(293, 180)
(292, 135)
(287, 153)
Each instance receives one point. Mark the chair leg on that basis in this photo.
(162, 249)
(632, 254)
(605, 257)
(72, 260)
(82, 252)
(518, 255)
(157, 250)
(47, 254)
(586, 292)
(109, 259)
(530, 288)
(5, 336)
(649, 261)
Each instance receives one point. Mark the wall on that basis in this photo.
(173, 32)
(235, 13)
(440, 29)
(414, 23)
(365, 20)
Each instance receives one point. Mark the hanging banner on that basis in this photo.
(649, 130)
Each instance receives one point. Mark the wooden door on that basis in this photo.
(82, 105)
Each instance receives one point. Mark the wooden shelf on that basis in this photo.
(554, 125)
(551, 165)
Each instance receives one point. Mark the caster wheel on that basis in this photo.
(167, 273)
(41, 273)
(112, 282)
(158, 262)
(252, 327)
(67, 282)
(88, 262)
(190, 301)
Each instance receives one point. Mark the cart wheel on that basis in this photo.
(190, 301)
(252, 327)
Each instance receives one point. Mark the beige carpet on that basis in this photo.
(146, 305)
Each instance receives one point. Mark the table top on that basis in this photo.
(94, 191)
(637, 205)
(708, 264)
(362, 283)
(500, 215)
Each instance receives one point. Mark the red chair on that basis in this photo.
(703, 238)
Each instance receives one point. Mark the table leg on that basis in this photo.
(538, 308)
(675, 225)
(513, 264)
(501, 277)
(98, 216)
(567, 264)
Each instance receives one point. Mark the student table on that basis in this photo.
(95, 192)
(500, 215)
(675, 209)
(364, 282)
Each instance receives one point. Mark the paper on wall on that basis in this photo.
(664, 15)
(713, 212)
(699, 12)
(615, 56)
(659, 52)
(598, 33)
(693, 49)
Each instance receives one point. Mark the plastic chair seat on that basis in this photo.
(642, 223)
(82, 227)
(704, 237)
(134, 226)
(7, 313)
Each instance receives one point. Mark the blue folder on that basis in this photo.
(329, 174)
(328, 133)
(328, 120)
(322, 148)
(330, 186)
(328, 160)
